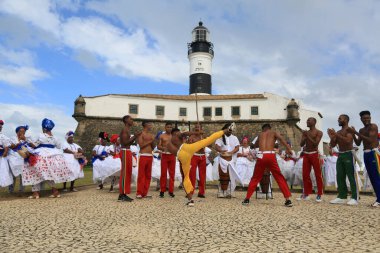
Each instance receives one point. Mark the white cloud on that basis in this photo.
(324, 52)
(20, 76)
(15, 115)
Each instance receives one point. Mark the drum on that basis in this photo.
(265, 182)
(23, 152)
(224, 178)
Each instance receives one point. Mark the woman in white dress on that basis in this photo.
(16, 161)
(105, 166)
(6, 178)
(245, 162)
(74, 156)
(114, 151)
(48, 164)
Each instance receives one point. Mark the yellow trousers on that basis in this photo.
(186, 153)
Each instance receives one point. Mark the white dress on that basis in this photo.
(50, 163)
(16, 162)
(72, 162)
(108, 167)
(244, 166)
(287, 167)
(6, 178)
(329, 167)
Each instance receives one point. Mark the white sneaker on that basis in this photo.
(232, 127)
(338, 201)
(221, 195)
(303, 197)
(352, 202)
(376, 204)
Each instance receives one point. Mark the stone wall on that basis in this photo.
(89, 127)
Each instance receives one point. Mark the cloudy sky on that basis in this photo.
(326, 53)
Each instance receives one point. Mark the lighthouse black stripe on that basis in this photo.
(200, 83)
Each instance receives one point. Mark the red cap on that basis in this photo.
(114, 138)
(1, 122)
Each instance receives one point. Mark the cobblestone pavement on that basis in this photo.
(93, 221)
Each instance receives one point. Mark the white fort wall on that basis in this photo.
(271, 107)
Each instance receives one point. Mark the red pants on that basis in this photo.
(268, 161)
(308, 161)
(168, 162)
(125, 172)
(144, 175)
(200, 162)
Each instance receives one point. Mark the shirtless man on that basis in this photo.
(146, 142)
(168, 161)
(310, 141)
(198, 161)
(345, 165)
(126, 159)
(266, 158)
(369, 136)
(185, 152)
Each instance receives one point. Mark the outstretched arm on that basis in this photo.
(283, 142)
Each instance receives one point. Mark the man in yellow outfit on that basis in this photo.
(185, 152)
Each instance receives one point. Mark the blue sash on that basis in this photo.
(46, 146)
(94, 158)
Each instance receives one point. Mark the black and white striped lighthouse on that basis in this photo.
(200, 54)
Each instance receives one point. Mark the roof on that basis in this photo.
(190, 97)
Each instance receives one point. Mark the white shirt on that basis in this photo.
(4, 140)
(47, 139)
(73, 146)
(244, 151)
(99, 149)
(231, 143)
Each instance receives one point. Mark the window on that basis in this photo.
(133, 109)
(219, 111)
(160, 110)
(182, 111)
(200, 35)
(254, 110)
(235, 111)
(206, 111)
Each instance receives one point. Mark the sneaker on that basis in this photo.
(201, 196)
(64, 190)
(245, 202)
(352, 202)
(162, 194)
(190, 203)
(126, 198)
(303, 197)
(73, 190)
(139, 197)
(232, 127)
(376, 204)
(288, 203)
(220, 195)
(338, 201)
(318, 198)
(171, 194)
(121, 197)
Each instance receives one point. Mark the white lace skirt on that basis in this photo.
(6, 178)
(74, 166)
(102, 169)
(51, 165)
(245, 169)
(16, 162)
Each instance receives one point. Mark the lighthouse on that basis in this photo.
(200, 54)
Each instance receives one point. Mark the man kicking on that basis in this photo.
(126, 159)
(369, 136)
(345, 165)
(310, 141)
(185, 152)
(266, 158)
